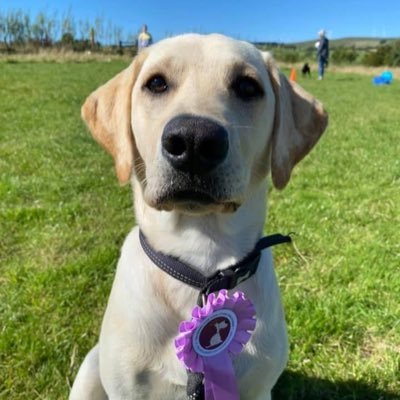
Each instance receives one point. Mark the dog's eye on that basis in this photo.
(247, 88)
(157, 84)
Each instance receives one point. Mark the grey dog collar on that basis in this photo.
(227, 278)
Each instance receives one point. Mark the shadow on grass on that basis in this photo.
(295, 386)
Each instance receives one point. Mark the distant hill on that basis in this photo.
(368, 51)
(359, 43)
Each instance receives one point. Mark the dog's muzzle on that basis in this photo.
(195, 149)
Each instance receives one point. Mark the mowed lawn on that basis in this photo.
(63, 218)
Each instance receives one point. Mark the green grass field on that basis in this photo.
(63, 218)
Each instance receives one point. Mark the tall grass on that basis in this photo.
(63, 218)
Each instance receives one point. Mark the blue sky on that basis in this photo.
(256, 20)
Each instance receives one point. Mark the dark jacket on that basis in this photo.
(323, 49)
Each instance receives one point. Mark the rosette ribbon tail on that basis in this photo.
(219, 378)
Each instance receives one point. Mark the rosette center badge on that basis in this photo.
(215, 333)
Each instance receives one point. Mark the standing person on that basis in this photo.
(322, 53)
(144, 38)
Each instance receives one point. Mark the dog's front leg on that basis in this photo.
(87, 384)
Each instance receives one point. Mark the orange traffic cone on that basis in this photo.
(293, 75)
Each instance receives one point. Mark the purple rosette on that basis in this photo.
(217, 331)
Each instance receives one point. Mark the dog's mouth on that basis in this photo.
(187, 198)
(192, 196)
(194, 201)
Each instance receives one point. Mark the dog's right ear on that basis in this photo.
(300, 120)
(107, 113)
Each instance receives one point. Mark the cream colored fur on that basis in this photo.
(135, 357)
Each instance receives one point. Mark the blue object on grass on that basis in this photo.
(385, 78)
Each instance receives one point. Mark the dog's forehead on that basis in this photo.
(208, 50)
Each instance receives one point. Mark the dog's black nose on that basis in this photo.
(194, 144)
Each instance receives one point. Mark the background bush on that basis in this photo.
(344, 55)
(386, 54)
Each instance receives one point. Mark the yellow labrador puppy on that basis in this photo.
(195, 123)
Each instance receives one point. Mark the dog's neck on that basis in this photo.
(208, 242)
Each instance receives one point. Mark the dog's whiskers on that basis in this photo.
(240, 126)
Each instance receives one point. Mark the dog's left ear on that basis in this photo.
(107, 113)
(300, 120)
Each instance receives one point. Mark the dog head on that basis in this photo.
(201, 120)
